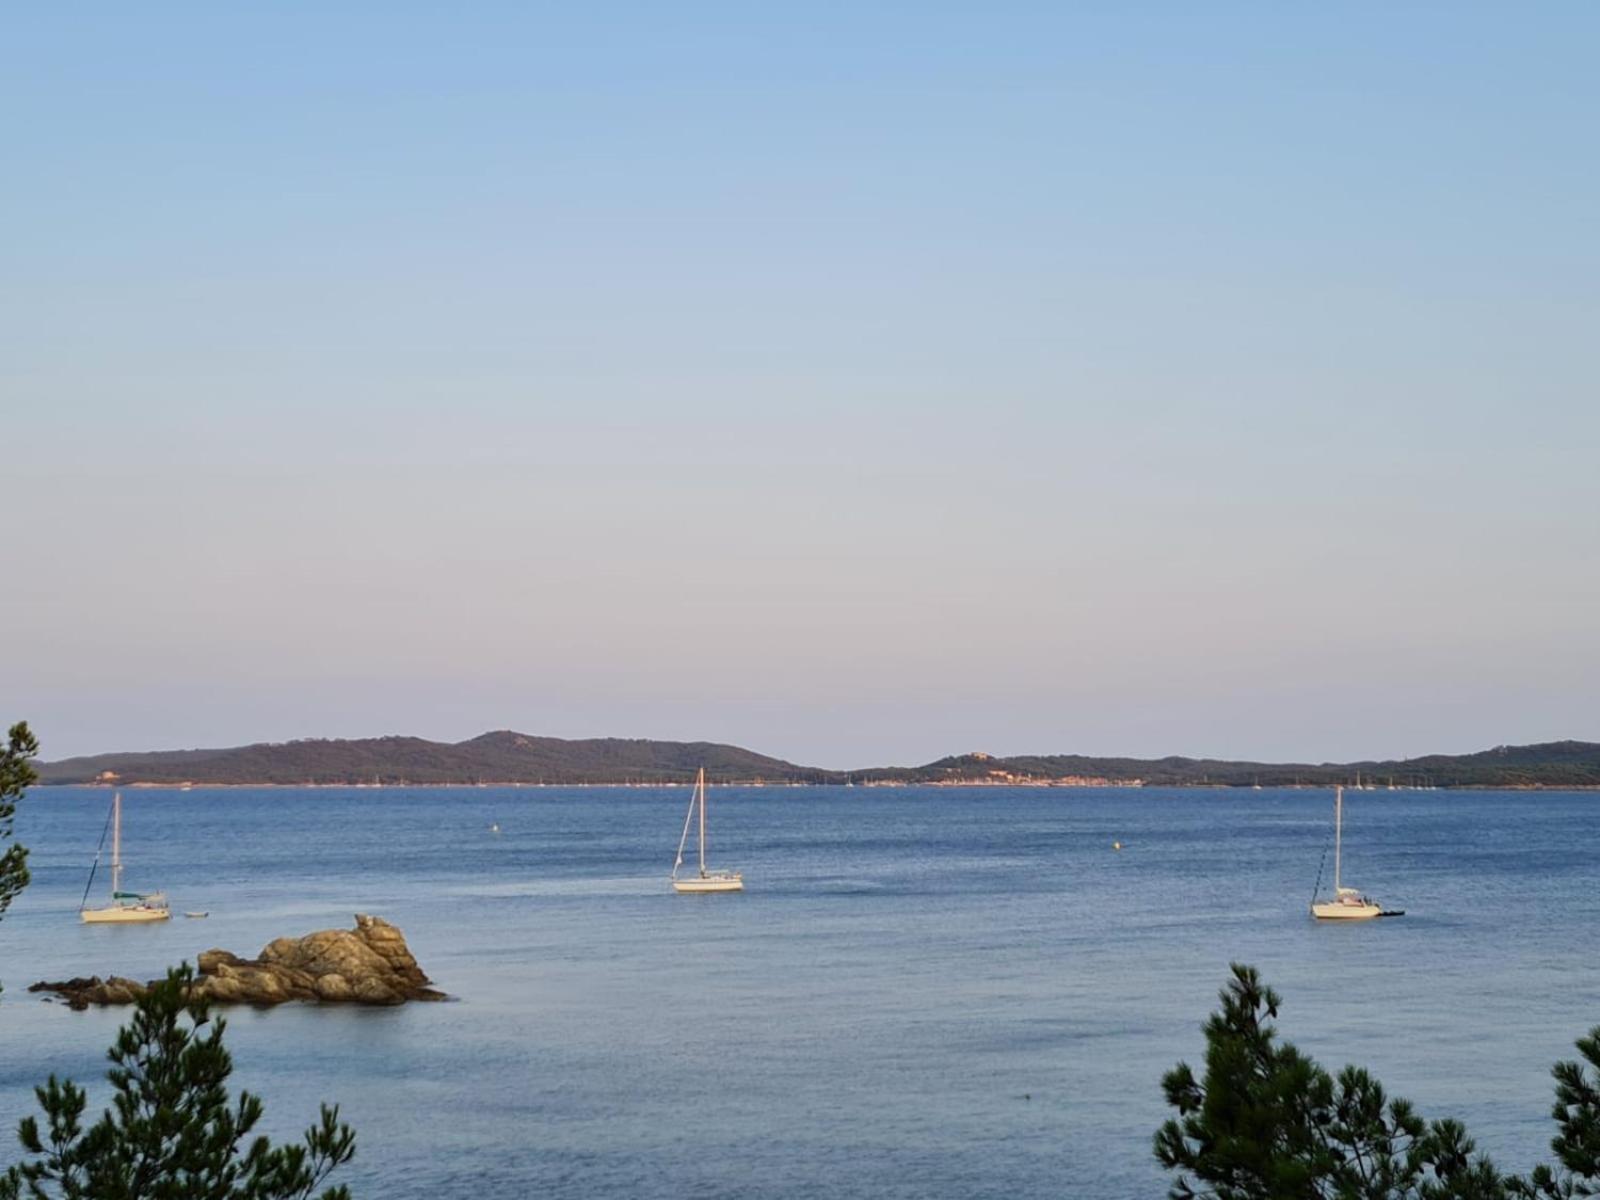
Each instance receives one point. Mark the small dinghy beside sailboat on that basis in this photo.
(705, 880)
(125, 907)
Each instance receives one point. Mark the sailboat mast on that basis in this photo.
(702, 786)
(116, 844)
(1338, 832)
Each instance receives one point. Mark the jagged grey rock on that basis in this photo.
(370, 964)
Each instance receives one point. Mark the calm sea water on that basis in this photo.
(924, 993)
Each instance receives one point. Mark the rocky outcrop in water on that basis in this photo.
(370, 964)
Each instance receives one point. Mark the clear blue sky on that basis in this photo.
(857, 383)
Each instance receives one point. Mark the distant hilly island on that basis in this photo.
(505, 757)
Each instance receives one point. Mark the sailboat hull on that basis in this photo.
(1345, 912)
(122, 916)
(710, 883)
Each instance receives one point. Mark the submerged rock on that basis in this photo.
(370, 964)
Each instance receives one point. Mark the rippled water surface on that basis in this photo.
(923, 993)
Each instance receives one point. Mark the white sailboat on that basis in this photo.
(1347, 904)
(704, 881)
(125, 907)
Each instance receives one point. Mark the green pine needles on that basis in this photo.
(1577, 1142)
(172, 1132)
(15, 776)
(1268, 1123)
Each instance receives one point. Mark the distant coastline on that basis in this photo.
(509, 759)
(401, 785)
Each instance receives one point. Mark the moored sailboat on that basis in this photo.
(125, 907)
(705, 880)
(1348, 904)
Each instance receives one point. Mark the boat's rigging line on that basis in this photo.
(684, 840)
(95, 866)
(1317, 890)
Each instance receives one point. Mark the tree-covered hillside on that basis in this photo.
(1547, 764)
(507, 757)
(500, 757)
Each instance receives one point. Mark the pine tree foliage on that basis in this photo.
(1267, 1123)
(172, 1132)
(16, 773)
(1577, 1140)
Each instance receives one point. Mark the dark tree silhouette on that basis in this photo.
(172, 1132)
(15, 775)
(1577, 1141)
(1268, 1123)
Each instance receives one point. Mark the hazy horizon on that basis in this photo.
(770, 752)
(856, 387)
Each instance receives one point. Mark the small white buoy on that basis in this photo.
(1116, 845)
(494, 828)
